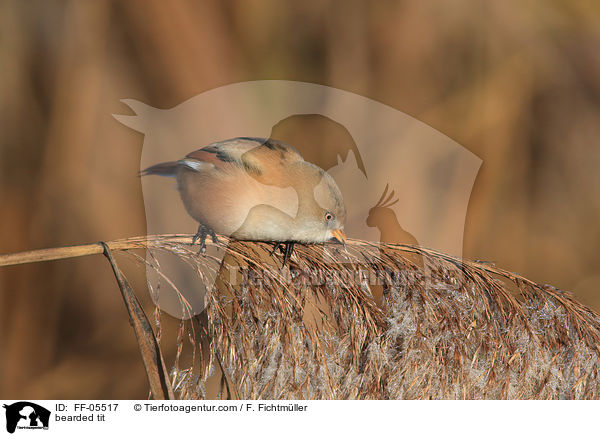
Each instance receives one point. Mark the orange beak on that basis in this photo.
(339, 235)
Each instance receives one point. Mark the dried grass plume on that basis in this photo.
(452, 329)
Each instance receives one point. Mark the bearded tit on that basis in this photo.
(257, 189)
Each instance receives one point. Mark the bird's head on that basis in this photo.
(323, 217)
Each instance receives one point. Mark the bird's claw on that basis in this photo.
(286, 249)
(289, 248)
(275, 247)
(201, 234)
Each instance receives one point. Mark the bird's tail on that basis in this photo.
(165, 169)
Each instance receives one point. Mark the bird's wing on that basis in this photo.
(256, 155)
(239, 176)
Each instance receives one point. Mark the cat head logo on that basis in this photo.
(402, 181)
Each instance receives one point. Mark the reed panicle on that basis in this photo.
(450, 329)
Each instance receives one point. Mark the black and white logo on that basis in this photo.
(26, 415)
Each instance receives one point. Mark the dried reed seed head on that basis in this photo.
(452, 329)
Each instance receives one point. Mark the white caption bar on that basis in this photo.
(22, 417)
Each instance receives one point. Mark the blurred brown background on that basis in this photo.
(517, 83)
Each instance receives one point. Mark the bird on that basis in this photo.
(257, 189)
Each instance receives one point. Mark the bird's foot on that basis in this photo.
(276, 245)
(201, 234)
(287, 248)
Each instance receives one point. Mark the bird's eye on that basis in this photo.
(328, 216)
